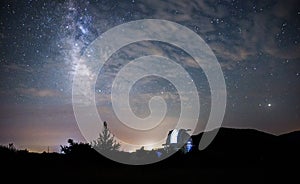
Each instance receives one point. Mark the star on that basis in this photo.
(40, 53)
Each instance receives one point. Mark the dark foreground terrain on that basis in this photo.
(243, 156)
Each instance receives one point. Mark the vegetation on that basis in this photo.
(75, 148)
(10, 148)
(106, 141)
(255, 152)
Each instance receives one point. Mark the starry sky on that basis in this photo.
(257, 44)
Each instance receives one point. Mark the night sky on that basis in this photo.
(257, 44)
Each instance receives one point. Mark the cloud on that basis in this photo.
(39, 92)
(283, 9)
(30, 125)
(18, 67)
(232, 38)
(265, 33)
(262, 36)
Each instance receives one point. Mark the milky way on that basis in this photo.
(257, 44)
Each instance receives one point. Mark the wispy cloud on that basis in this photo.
(18, 67)
(39, 92)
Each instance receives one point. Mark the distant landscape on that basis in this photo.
(235, 153)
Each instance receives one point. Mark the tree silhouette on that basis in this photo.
(75, 148)
(106, 141)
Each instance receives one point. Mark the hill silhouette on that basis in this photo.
(251, 147)
(234, 153)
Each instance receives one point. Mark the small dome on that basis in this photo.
(178, 138)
